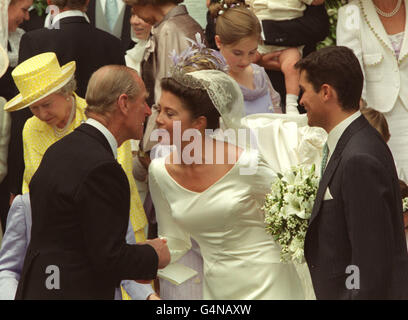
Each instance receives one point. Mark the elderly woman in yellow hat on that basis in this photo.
(48, 90)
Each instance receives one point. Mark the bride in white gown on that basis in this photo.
(218, 205)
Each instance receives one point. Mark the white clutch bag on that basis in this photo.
(176, 273)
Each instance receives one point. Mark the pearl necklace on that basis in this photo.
(63, 131)
(388, 14)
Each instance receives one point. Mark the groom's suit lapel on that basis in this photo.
(334, 161)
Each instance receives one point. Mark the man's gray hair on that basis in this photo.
(107, 84)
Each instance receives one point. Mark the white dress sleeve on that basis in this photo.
(178, 240)
(286, 140)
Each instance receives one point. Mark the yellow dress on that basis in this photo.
(38, 136)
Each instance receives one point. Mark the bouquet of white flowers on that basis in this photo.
(288, 208)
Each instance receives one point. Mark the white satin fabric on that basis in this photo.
(241, 261)
(286, 140)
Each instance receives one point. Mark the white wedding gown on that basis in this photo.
(241, 261)
(285, 141)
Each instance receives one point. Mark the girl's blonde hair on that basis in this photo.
(234, 21)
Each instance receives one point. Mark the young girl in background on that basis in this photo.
(238, 33)
(284, 10)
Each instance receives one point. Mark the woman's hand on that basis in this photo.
(144, 159)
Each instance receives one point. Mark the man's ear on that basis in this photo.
(123, 104)
(326, 92)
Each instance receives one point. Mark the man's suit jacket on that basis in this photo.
(125, 37)
(80, 212)
(75, 40)
(385, 77)
(362, 225)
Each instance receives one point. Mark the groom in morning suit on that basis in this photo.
(80, 201)
(355, 244)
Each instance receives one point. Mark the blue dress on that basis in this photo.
(263, 98)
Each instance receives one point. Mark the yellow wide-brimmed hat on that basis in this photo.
(37, 78)
(4, 61)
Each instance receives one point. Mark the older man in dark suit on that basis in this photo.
(116, 23)
(355, 244)
(80, 201)
(71, 37)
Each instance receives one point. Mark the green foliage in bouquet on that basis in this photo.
(40, 6)
(288, 208)
(405, 204)
(332, 7)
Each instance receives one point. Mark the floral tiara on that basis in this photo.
(191, 56)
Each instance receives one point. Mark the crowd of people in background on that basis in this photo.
(86, 86)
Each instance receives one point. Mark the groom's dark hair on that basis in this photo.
(338, 67)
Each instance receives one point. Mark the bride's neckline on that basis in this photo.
(242, 151)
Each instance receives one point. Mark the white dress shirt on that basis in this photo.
(107, 134)
(52, 20)
(337, 131)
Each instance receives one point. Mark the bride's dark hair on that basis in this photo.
(197, 101)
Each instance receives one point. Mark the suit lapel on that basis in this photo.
(334, 161)
(96, 134)
(373, 21)
(125, 36)
(91, 11)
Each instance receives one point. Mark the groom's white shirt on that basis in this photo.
(333, 138)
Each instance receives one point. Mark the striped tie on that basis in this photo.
(324, 159)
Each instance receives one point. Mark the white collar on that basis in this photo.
(337, 131)
(107, 134)
(50, 21)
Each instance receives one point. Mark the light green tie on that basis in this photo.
(324, 159)
(111, 13)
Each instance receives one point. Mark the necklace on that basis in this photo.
(63, 131)
(389, 14)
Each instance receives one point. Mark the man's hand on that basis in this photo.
(160, 245)
(270, 61)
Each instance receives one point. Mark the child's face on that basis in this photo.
(240, 54)
(140, 27)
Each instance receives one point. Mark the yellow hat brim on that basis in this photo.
(5, 61)
(19, 102)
